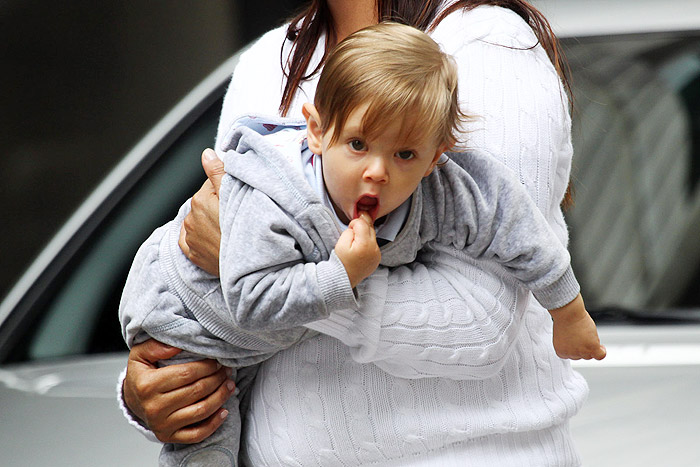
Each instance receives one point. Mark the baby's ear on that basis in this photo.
(314, 134)
(438, 153)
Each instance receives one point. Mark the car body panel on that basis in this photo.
(641, 410)
(66, 414)
(638, 412)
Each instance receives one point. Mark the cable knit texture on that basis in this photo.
(451, 364)
(502, 397)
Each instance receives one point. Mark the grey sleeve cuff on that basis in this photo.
(335, 285)
(559, 293)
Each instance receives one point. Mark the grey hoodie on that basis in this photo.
(279, 271)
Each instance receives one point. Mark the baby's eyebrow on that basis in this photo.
(353, 129)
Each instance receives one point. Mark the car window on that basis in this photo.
(634, 226)
(80, 314)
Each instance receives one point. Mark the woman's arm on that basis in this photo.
(162, 293)
(172, 400)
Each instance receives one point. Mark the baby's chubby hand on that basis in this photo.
(357, 249)
(575, 332)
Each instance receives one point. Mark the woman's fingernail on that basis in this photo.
(230, 385)
(224, 414)
(209, 154)
(229, 372)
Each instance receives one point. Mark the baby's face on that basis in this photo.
(374, 175)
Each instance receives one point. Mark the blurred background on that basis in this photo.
(82, 81)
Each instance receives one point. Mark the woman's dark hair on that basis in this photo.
(306, 29)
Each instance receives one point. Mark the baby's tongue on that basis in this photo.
(367, 204)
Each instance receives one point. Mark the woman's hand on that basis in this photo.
(178, 403)
(200, 235)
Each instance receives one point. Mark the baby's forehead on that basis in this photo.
(379, 118)
(403, 128)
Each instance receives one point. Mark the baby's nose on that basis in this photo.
(376, 171)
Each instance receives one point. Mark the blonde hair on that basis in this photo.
(401, 74)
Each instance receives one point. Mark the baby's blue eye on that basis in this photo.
(357, 145)
(405, 155)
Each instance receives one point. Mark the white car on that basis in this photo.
(635, 247)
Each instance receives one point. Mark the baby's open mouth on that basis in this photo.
(368, 204)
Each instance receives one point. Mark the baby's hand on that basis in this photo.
(575, 333)
(357, 249)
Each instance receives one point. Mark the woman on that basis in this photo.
(447, 361)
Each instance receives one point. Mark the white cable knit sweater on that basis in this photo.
(448, 384)
(454, 365)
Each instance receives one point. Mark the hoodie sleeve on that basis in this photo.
(478, 207)
(275, 274)
(168, 298)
